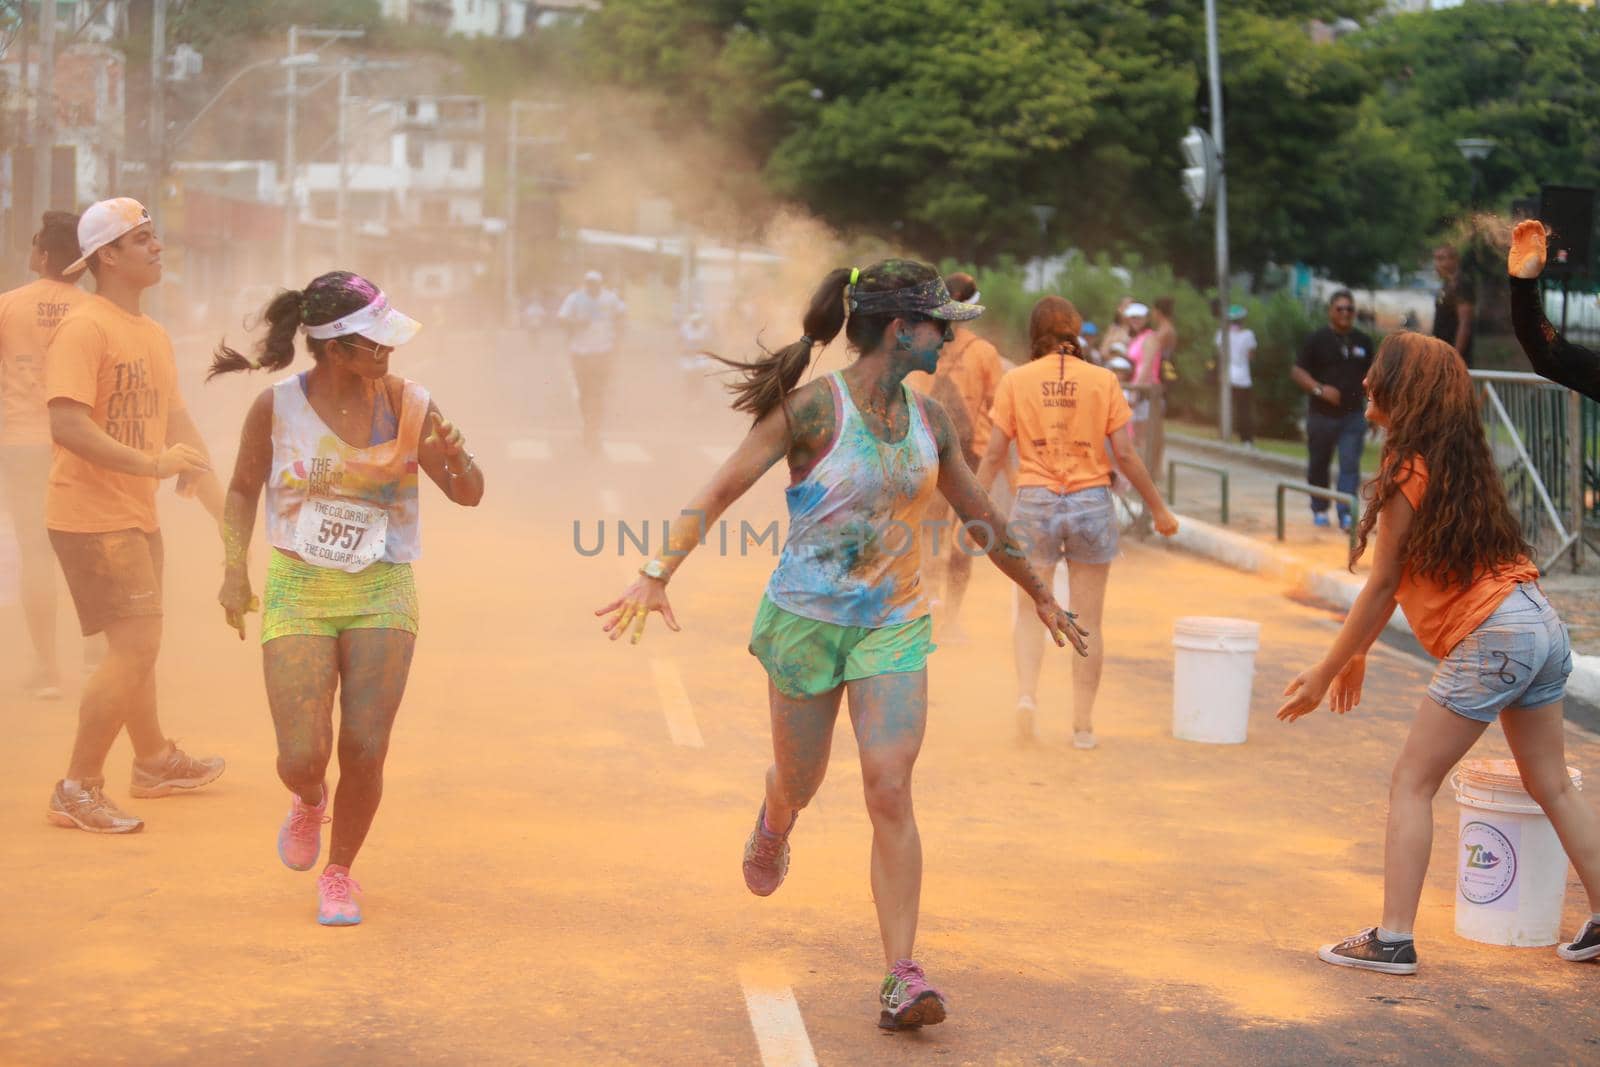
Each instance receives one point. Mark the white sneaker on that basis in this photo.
(1084, 739)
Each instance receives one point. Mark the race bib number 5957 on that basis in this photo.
(341, 534)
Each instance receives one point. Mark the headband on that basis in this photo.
(929, 298)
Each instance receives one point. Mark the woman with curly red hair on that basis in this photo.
(1449, 552)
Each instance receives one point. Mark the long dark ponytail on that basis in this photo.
(766, 383)
(328, 297)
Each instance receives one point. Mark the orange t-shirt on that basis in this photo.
(28, 316)
(1059, 410)
(973, 365)
(122, 367)
(1441, 615)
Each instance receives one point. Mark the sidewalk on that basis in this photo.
(1313, 562)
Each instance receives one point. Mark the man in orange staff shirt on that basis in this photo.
(970, 368)
(29, 314)
(119, 427)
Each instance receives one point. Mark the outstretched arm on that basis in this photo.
(1368, 616)
(973, 506)
(767, 442)
(1552, 355)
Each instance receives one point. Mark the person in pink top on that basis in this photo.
(338, 449)
(28, 316)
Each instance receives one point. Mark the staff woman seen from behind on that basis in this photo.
(1062, 412)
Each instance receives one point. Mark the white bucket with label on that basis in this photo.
(1214, 669)
(1511, 872)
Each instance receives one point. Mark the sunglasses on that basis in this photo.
(376, 351)
(1344, 307)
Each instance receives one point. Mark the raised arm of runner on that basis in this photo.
(444, 456)
(769, 440)
(250, 472)
(1552, 355)
(972, 505)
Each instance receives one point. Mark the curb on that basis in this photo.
(1294, 468)
(1249, 554)
(1340, 590)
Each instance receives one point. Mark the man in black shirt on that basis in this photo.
(1331, 367)
(1452, 310)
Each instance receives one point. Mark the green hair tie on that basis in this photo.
(855, 275)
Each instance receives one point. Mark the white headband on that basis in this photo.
(975, 298)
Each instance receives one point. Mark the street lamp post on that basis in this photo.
(1224, 346)
(290, 210)
(1474, 150)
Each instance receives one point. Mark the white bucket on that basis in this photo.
(1215, 665)
(1511, 872)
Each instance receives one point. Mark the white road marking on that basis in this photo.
(530, 449)
(675, 704)
(611, 502)
(624, 452)
(780, 1031)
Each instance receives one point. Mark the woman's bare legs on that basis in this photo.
(1538, 741)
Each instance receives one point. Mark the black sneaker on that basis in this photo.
(1364, 950)
(1586, 946)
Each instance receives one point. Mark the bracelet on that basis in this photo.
(471, 462)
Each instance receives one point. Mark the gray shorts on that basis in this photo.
(1077, 527)
(1519, 656)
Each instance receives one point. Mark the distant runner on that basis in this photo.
(28, 316)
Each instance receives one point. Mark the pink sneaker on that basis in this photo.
(336, 893)
(300, 837)
(907, 1000)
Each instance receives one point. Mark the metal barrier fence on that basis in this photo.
(1549, 471)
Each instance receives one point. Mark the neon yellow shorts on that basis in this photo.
(322, 602)
(805, 657)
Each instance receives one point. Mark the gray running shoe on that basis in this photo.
(766, 856)
(178, 772)
(89, 809)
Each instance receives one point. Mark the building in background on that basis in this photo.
(487, 18)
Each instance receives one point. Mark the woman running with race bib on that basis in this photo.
(338, 448)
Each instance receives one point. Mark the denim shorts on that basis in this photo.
(1519, 656)
(1077, 527)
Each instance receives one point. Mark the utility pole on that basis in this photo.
(44, 135)
(158, 109)
(339, 230)
(512, 316)
(1224, 341)
(291, 214)
(290, 211)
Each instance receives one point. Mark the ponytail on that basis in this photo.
(767, 382)
(276, 349)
